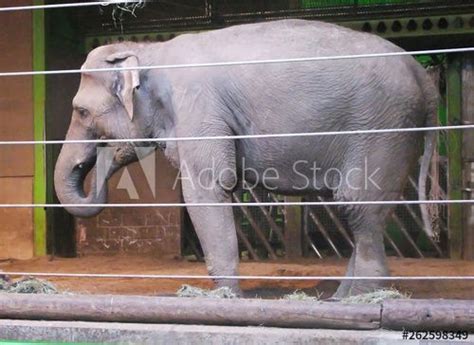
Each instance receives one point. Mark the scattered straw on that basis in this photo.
(302, 296)
(376, 297)
(28, 285)
(191, 291)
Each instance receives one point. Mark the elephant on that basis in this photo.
(137, 102)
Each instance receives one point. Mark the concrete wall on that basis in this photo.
(16, 123)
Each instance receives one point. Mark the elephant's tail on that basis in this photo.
(429, 148)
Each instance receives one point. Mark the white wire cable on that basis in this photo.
(69, 5)
(240, 63)
(243, 277)
(248, 204)
(236, 137)
(283, 135)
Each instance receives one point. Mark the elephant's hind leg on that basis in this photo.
(368, 257)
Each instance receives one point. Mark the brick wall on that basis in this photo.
(146, 231)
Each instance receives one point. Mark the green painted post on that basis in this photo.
(39, 98)
(454, 110)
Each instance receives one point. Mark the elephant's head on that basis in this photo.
(103, 108)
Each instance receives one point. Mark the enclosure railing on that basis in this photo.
(320, 202)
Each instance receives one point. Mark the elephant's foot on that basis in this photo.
(233, 285)
(349, 288)
(343, 290)
(358, 267)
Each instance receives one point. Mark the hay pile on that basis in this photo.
(375, 297)
(302, 296)
(27, 285)
(191, 291)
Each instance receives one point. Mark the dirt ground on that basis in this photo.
(306, 267)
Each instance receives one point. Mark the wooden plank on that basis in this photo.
(454, 104)
(203, 311)
(468, 152)
(293, 229)
(412, 314)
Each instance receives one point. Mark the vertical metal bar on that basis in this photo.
(193, 246)
(420, 224)
(256, 228)
(293, 229)
(454, 107)
(306, 233)
(338, 223)
(39, 97)
(267, 215)
(392, 244)
(311, 244)
(246, 242)
(468, 152)
(275, 199)
(325, 233)
(407, 235)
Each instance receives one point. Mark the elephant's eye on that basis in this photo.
(83, 112)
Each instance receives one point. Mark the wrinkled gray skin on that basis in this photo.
(336, 95)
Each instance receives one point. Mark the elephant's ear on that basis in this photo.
(127, 80)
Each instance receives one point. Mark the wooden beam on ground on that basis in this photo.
(183, 310)
(398, 314)
(454, 107)
(412, 314)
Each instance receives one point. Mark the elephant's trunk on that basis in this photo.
(70, 173)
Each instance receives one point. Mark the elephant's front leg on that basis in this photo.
(210, 181)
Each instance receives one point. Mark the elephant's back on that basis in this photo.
(275, 40)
